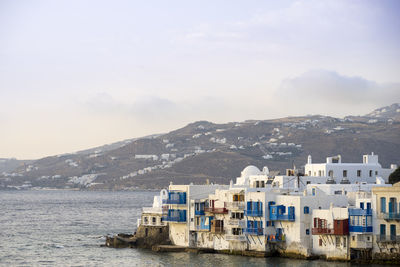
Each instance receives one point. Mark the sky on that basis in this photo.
(76, 74)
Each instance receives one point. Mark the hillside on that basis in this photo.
(218, 152)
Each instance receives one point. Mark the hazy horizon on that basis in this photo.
(80, 74)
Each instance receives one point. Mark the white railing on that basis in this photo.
(236, 205)
(237, 222)
(152, 210)
(231, 237)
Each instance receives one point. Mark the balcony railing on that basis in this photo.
(216, 210)
(176, 201)
(236, 205)
(237, 223)
(360, 212)
(203, 227)
(254, 231)
(388, 238)
(282, 217)
(174, 219)
(391, 216)
(360, 229)
(199, 212)
(231, 237)
(253, 213)
(275, 238)
(323, 231)
(217, 230)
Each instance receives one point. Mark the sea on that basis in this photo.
(67, 228)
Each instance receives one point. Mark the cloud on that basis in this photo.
(318, 91)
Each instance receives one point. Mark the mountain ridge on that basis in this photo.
(204, 150)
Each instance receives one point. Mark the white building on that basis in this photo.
(367, 171)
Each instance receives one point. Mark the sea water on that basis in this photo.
(67, 228)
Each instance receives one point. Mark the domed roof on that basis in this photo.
(250, 170)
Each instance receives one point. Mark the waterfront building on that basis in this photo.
(386, 221)
(293, 214)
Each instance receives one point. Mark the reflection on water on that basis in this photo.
(64, 228)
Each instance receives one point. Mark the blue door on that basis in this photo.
(383, 229)
(392, 231)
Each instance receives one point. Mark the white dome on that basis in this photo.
(250, 170)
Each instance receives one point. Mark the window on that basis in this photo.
(320, 242)
(307, 231)
(313, 191)
(308, 182)
(353, 238)
(309, 173)
(337, 241)
(344, 173)
(160, 230)
(306, 210)
(362, 205)
(376, 172)
(358, 173)
(370, 173)
(154, 219)
(383, 204)
(344, 242)
(330, 174)
(368, 238)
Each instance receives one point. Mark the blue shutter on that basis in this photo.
(383, 204)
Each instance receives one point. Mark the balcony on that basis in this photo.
(277, 213)
(175, 216)
(388, 238)
(203, 227)
(360, 212)
(237, 223)
(216, 210)
(217, 229)
(236, 205)
(275, 238)
(253, 213)
(328, 231)
(360, 229)
(175, 198)
(240, 238)
(199, 212)
(323, 231)
(395, 216)
(254, 231)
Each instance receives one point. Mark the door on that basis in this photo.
(383, 229)
(392, 232)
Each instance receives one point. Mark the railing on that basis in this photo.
(217, 230)
(391, 216)
(203, 227)
(360, 212)
(323, 231)
(282, 217)
(174, 219)
(253, 213)
(360, 229)
(388, 238)
(216, 210)
(175, 201)
(152, 210)
(254, 231)
(199, 212)
(236, 205)
(231, 237)
(275, 238)
(237, 222)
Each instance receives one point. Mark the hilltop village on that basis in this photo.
(335, 211)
